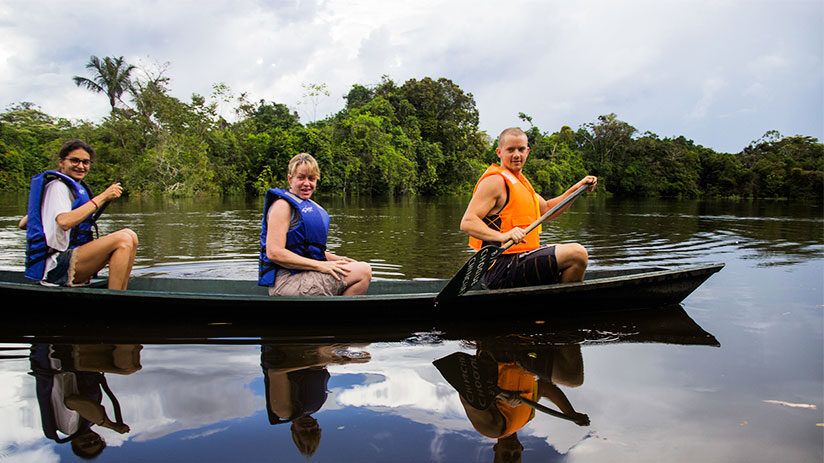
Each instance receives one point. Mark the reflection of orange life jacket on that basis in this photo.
(511, 377)
(521, 209)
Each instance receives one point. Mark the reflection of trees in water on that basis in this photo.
(416, 237)
(649, 232)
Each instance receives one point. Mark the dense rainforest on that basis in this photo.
(421, 137)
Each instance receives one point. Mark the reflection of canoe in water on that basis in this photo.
(669, 324)
(192, 302)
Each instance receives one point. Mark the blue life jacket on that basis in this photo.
(307, 386)
(89, 385)
(307, 239)
(37, 251)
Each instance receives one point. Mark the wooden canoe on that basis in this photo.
(388, 301)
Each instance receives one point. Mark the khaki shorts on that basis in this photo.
(306, 283)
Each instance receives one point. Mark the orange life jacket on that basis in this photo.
(511, 377)
(521, 209)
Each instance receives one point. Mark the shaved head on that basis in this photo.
(513, 132)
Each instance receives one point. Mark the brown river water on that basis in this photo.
(741, 380)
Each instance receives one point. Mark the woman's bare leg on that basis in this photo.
(117, 249)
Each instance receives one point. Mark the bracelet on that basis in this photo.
(96, 207)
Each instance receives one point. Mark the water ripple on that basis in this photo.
(422, 240)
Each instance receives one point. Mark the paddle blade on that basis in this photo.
(474, 379)
(470, 274)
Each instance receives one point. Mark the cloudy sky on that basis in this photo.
(719, 72)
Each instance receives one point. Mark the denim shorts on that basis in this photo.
(63, 273)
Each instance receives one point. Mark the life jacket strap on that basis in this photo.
(35, 260)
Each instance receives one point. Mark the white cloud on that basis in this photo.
(709, 90)
(765, 65)
(564, 63)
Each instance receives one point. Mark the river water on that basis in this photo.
(742, 379)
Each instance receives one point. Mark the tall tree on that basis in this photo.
(312, 94)
(109, 75)
(446, 114)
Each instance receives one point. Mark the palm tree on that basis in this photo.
(110, 76)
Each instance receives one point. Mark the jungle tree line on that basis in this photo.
(420, 137)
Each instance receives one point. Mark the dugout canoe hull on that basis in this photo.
(388, 301)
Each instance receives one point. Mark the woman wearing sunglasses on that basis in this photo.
(60, 247)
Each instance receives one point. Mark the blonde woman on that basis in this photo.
(294, 230)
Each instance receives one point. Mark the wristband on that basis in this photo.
(96, 207)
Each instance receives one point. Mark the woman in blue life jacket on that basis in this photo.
(296, 380)
(294, 230)
(60, 247)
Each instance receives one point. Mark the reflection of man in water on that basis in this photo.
(69, 379)
(296, 382)
(534, 372)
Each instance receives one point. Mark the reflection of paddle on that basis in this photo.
(476, 380)
(470, 274)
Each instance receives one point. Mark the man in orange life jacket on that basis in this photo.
(537, 378)
(503, 205)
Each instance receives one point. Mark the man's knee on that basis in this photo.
(574, 254)
(581, 252)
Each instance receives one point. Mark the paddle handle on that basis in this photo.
(546, 409)
(550, 212)
(540, 407)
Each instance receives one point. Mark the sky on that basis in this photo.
(718, 72)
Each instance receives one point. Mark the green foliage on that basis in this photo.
(789, 167)
(420, 137)
(553, 164)
(12, 172)
(29, 140)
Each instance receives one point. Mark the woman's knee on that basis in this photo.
(126, 238)
(132, 235)
(365, 270)
(360, 271)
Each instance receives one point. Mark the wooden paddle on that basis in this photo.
(476, 380)
(470, 274)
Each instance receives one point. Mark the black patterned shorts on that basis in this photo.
(530, 268)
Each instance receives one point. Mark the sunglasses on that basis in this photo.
(78, 161)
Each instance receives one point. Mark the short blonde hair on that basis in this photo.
(308, 160)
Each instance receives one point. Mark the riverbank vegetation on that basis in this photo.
(419, 137)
